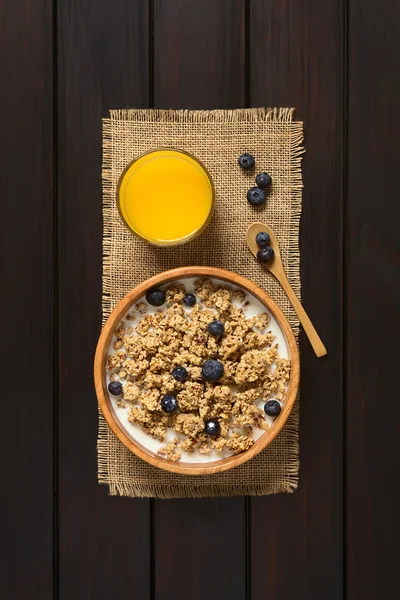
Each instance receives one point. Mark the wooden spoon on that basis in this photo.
(276, 268)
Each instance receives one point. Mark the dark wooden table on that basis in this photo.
(63, 65)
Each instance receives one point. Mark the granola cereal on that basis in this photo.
(149, 343)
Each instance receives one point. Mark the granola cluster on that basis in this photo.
(148, 346)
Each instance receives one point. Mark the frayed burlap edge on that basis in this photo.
(180, 490)
(278, 115)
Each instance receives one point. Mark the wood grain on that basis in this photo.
(102, 351)
(210, 564)
(373, 300)
(199, 53)
(26, 301)
(103, 64)
(296, 59)
(199, 62)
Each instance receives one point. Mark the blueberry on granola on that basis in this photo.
(212, 427)
(263, 180)
(272, 408)
(212, 370)
(180, 373)
(189, 299)
(246, 161)
(155, 297)
(169, 403)
(115, 388)
(265, 254)
(256, 196)
(262, 239)
(216, 328)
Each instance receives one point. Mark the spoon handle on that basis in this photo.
(308, 327)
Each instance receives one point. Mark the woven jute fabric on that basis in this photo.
(217, 138)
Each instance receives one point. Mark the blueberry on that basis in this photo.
(212, 370)
(265, 254)
(115, 388)
(155, 297)
(246, 161)
(189, 299)
(169, 403)
(263, 239)
(272, 408)
(216, 328)
(180, 374)
(263, 180)
(256, 196)
(212, 428)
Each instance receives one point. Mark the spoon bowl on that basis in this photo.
(276, 263)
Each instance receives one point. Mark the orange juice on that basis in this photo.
(165, 197)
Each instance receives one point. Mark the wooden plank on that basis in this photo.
(103, 64)
(27, 299)
(199, 62)
(200, 549)
(199, 54)
(296, 59)
(373, 291)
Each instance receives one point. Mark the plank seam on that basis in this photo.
(54, 24)
(345, 285)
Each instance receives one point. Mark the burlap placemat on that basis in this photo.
(217, 138)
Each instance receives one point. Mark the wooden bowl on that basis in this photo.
(200, 468)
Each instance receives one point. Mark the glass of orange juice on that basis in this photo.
(166, 197)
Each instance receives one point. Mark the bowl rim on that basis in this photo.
(190, 237)
(104, 401)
